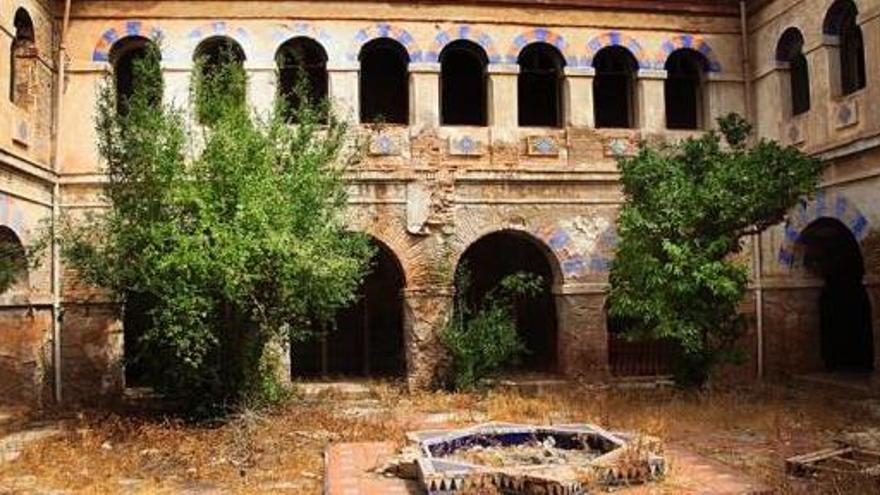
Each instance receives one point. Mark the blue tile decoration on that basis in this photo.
(542, 146)
(617, 38)
(540, 35)
(465, 146)
(568, 245)
(826, 204)
(592, 449)
(12, 215)
(462, 32)
(690, 42)
(384, 30)
(120, 31)
(282, 33)
(220, 28)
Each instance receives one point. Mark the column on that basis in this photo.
(424, 100)
(177, 85)
(343, 89)
(583, 335)
(824, 66)
(503, 102)
(578, 97)
(262, 86)
(651, 98)
(426, 312)
(772, 102)
(277, 356)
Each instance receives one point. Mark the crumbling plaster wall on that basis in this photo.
(842, 130)
(426, 191)
(26, 181)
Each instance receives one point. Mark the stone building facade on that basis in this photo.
(493, 130)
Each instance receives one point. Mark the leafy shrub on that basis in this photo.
(483, 339)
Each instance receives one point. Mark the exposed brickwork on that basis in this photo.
(430, 191)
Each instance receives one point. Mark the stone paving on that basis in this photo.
(348, 469)
(12, 445)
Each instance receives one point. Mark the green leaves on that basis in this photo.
(234, 232)
(688, 205)
(483, 339)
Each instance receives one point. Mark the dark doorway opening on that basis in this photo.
(384, 82)
(684, 89)
(846, 334)
(463, 84)
(540, 86)
(613, 87)
(366, 339)
(500, 254)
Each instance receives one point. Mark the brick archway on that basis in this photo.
(489, 260)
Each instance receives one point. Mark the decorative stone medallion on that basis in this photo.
(22, 128)
(384, 144)
(543, 146)
(466, 146)
(795, 134)
(846, 114)
(618, 147)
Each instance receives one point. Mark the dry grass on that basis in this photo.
(753, 430)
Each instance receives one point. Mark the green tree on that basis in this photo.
(233, 233)
(688, 208)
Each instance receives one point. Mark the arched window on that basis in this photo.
(13, 262)
(384, 82)
(684, 89)
(133, 68)
(463, 84)
(23, 60)
(841, 22)
(540, 86)
(790, 52)
(613, 87)
(302, 74)
(221, 60)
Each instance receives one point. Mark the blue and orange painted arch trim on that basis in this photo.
(825, 205)
(127, 29)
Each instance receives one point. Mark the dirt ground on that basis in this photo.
(281, 451)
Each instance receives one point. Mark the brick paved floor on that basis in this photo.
(347, 471)
(348, 466)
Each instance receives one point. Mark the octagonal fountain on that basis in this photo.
(522, 459)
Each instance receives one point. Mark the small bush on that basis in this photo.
(483, 338)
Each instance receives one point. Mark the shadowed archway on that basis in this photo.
(498, 255)
(846, 335)
(367, 337)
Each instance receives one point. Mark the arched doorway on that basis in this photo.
(846, 335)
(492, 258)
(366, 339)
